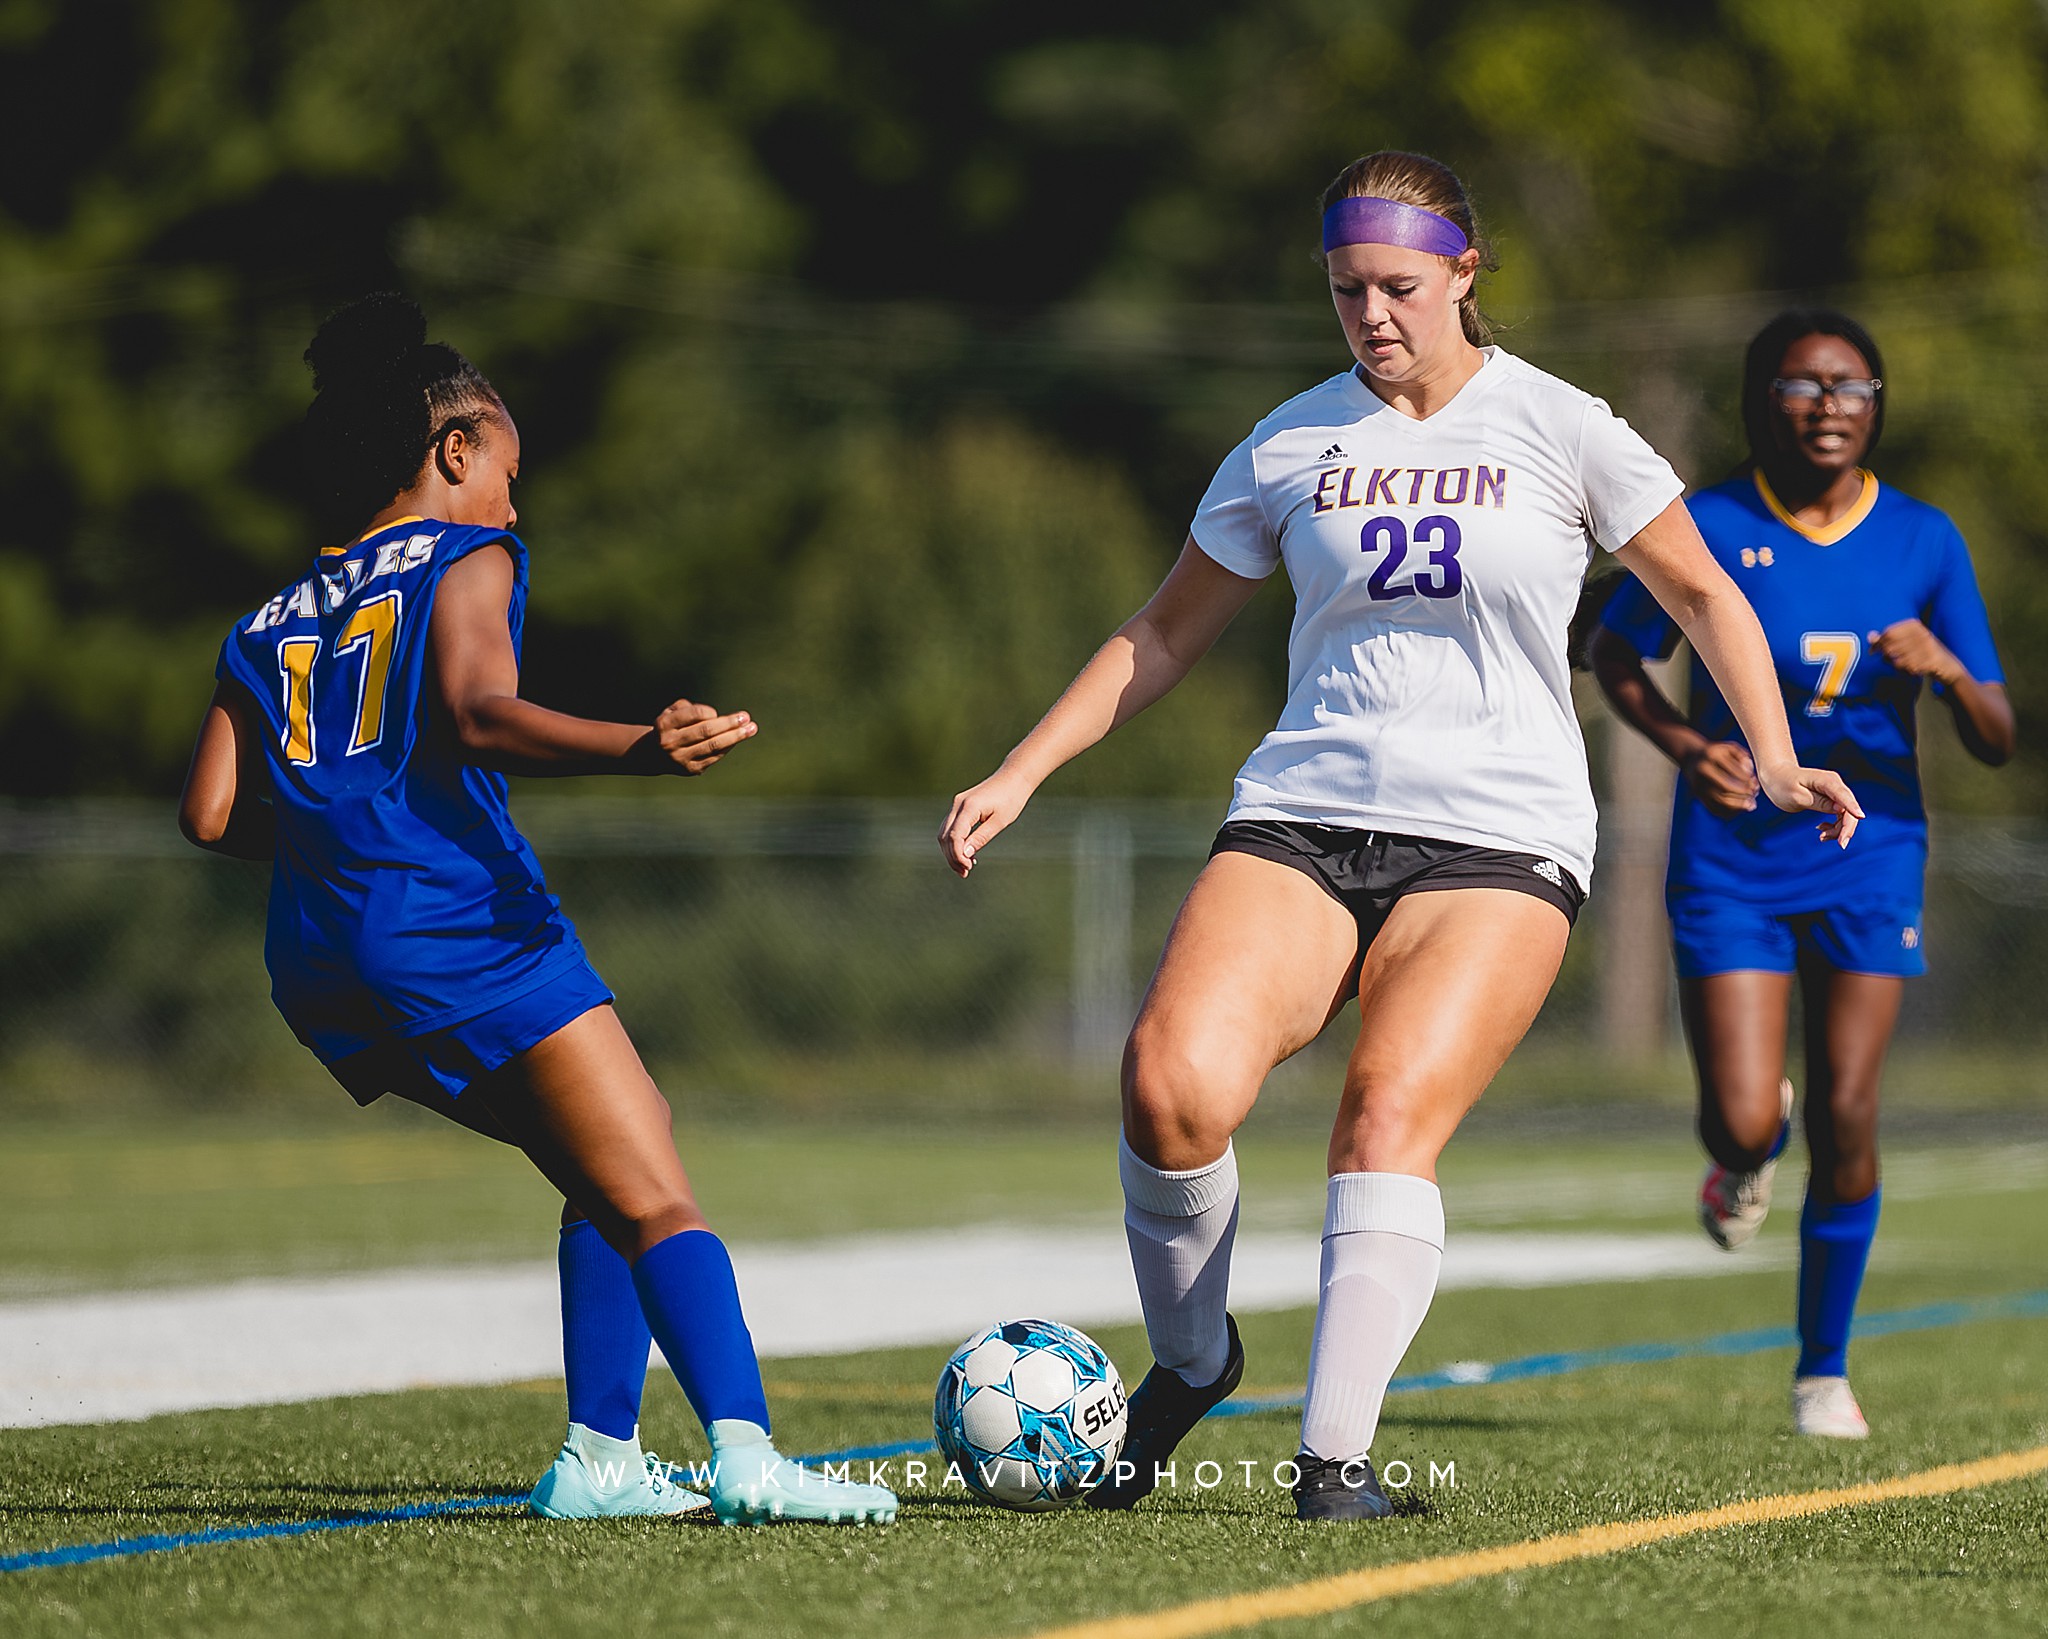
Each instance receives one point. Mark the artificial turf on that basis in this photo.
(1530, 1458)
(172, 1203)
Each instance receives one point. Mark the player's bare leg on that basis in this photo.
(1450, 985)
(1850, 1018)
(601, 1471)
(585, 1110)
(464, 1112)
(1258, 960)
(1735, 1023)
(1849, 1023)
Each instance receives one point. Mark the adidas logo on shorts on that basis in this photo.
(1549, 872)
(1334, 453)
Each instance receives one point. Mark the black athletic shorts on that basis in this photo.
(1368, 872)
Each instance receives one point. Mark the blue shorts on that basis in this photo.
(1714, 934)
(442, 1063)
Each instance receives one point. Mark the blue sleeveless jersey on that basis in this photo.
(402, 900)
(1821, 596)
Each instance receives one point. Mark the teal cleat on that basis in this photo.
(594, 1476)
(754, 1484)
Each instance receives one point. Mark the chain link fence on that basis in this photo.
(815, 959)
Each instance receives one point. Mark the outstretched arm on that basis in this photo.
(477, 676)
(1720, 772)
(1142, 661)
(1671, 560)
(225, 807)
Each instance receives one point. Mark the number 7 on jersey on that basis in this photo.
(1836, 653)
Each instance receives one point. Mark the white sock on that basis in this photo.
(1383, 1244)
(615, 1462)
(1180, 1226)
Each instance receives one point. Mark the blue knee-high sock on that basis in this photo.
(691, 1300)
(604, 1334)
(1834, 1245)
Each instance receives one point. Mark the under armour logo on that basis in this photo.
(1334, 453)
(1549, 872)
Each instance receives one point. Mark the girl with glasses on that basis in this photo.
(1865, 595)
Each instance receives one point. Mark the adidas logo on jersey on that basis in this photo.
(1334, 453)
(1549, 872)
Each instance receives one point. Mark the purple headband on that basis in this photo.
(1366, 221)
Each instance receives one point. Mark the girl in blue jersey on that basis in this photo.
(1864, 594)
(359, 737)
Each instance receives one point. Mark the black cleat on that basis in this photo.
(1332, 1488)
(1162, 1411)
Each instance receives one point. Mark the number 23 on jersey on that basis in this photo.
(1440, 577)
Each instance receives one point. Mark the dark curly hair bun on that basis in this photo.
(383, 395)
(375, 339)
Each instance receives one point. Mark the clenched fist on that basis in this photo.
(693, 737)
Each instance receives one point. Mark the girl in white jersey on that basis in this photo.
(1418, 828)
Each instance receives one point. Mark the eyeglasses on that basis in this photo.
(1852, 397)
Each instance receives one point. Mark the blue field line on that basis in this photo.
(1468, 1373)
(82, 1553)
(870, 1454)
(1464, 1374)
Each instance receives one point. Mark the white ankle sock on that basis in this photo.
(1180, 1226)
(1383, 1244)
(615, 1462)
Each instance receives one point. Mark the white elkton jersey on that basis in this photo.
(1436, 565)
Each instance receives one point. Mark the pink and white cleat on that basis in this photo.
(1823, 1406)
(1733, 1205)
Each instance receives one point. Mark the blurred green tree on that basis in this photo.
(186, 186)
(871, 359)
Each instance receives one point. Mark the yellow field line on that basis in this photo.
(1342, 1592)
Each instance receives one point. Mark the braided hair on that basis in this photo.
(384, 398)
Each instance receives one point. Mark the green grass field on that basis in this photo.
(1531, 1458)
(183, 1202)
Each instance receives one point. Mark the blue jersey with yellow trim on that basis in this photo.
(1822, 596)
(403, 899)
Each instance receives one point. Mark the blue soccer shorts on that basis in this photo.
(1712, 934)
(441, 1064)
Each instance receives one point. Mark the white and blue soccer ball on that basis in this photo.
(1032, 1413)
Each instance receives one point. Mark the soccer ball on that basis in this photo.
(1031, 1413)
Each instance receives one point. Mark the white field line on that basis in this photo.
(114, 1356)
(1559, 1194)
